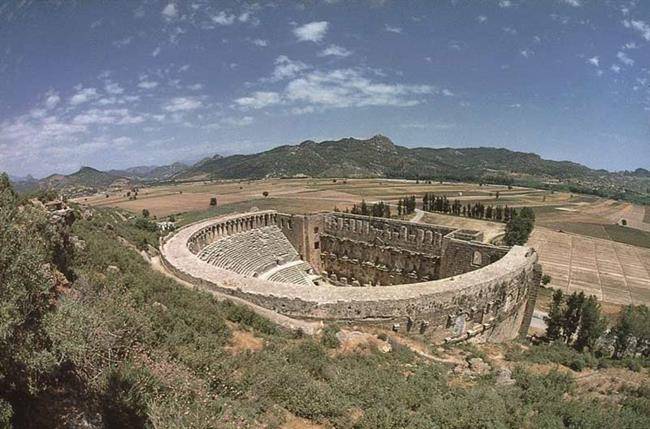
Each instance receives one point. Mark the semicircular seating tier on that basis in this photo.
(262, 252)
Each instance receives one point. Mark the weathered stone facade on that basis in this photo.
(433, 280)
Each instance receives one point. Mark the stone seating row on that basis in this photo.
(298, 274)
(250, 253)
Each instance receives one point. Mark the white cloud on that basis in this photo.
(335, 51)
(630, 45)
(51, 99)
(505, 3)
(312, 32)
(622, 57)
(390, 29)
(156, 52)
(260, 42)
(640, 26)
(107, 117)
(222, 18)
(170, 11)
(83, 95)
(195, 87)
(509, 30)
(238, 122)
(147, 84)
(123, 42)
(178, 104)
(615, 68)
(113, 88)
(286, 68)
(350, 88)
(447, 93)
(526, 53)
(481, 18)
(573, 3)
(594, 61)
(258, 100)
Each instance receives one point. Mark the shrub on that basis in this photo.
(329, 339)
(577, 364)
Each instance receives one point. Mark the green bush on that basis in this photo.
(328, 338)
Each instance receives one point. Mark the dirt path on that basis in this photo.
(418, 216)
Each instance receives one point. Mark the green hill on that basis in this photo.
(380, 157)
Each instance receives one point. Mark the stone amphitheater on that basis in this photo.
(436, 281)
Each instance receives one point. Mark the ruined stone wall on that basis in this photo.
(460, 256)
(303, 232)
(418, 237)
(351, 262)
(487, 303)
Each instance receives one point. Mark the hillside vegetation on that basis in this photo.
(100, 340)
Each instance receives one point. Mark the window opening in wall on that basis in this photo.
(315, 230)
(317, 245)
(477, 259)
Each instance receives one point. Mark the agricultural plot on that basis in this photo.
(613, 272)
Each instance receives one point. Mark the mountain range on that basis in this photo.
(377, 157)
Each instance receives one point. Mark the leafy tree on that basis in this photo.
(592, 325)
(265, 194)
(145, 213)
(632, 331)
(517, 231)
(213, 201)
(572, 315)
(554, 320)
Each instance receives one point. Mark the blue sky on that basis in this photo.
(125, 83)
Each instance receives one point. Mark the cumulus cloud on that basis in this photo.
(505, 3)
(170, 11)
(107, 117)
(312, 32)
(573, 3)
(286, 68)
(147, 84)
(640, 26)
(223, 18)
(179, 104)
(113, 88)
(238, 122)
(259, 99)
(83, 95)
(260, 42)
(390, 29)
(615, 68)
(123, 42)
(481, 18)
(334, 51)
(595, 61)
(350, 88)
(156, 52)
(622, 57)
(51, 99)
